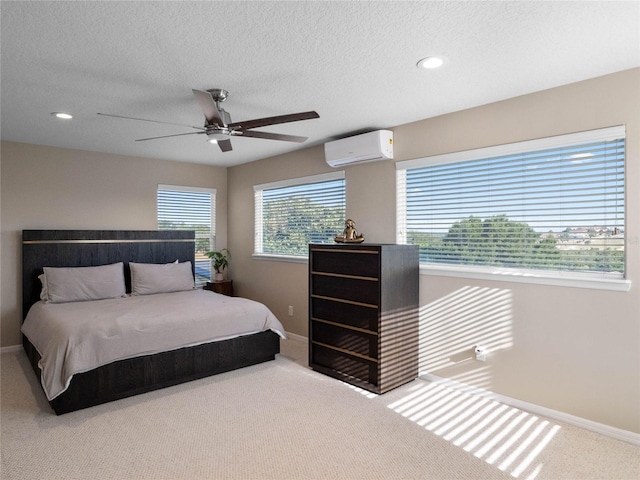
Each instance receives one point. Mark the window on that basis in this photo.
(549, 205)
(190, 208)
(293, 213)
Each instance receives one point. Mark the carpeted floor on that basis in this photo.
(280, 420)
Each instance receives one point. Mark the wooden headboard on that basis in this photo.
(87, 248)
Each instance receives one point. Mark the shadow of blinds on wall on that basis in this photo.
(190, 208)
(555, 204)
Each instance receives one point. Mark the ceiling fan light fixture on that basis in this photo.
(429, 63)
(214, 137)
(62, 115)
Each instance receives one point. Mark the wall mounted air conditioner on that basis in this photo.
(367, 147)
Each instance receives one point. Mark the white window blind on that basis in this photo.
(553, 204)
(293, 213)
(190, 208)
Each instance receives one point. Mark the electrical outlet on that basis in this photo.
(481, 353)
(291, 310)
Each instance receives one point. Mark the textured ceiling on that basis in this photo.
(352, 62)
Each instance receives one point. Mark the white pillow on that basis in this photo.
(44, 292)
(79, 284)
(149, 278)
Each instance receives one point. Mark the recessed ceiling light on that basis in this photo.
(430, 62)
(62, 115)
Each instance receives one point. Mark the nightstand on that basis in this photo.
(225, 287)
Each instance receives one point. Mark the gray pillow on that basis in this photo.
(150, 278)
(79, 284)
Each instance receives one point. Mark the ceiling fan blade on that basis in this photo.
(208, 107)
(153, 121)
(225, 145)
(273, 136)
(263, 122)
(167, 136)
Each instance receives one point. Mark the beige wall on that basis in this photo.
(569, 349)
(45, 187)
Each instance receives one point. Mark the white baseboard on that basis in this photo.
(609, 431)
(296, 337)
(11, 348)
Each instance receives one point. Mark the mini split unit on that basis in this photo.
(367, 147)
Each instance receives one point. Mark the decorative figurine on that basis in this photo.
(350, 234)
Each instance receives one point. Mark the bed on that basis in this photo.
(112, 376)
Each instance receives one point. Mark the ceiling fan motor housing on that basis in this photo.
(219, 94)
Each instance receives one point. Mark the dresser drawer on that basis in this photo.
(346, 313)
(349, 289)
(355, 341)
(346, 365)
(362, 264)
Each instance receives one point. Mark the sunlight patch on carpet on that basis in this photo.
(505, 437)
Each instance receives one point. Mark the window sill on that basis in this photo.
(280, 258)
(532, 277)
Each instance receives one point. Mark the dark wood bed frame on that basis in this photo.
(124, 378)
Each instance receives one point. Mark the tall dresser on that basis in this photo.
(363, 313)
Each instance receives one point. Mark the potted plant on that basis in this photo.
(219, 261)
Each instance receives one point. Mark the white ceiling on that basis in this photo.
(354, 62)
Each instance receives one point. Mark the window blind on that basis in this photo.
(560, 208)
(188, 208)
(292, 214)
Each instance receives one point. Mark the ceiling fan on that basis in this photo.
(218, 125)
